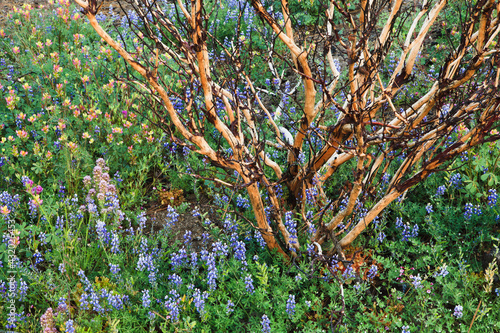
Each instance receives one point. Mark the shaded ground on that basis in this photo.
(159, 217)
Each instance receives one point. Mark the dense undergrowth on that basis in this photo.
(79, 158)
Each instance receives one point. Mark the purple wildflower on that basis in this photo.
(249, 284)
(290, 305)
(146, 301)
(372, 272)
(212, 272)
(266, 324)
(48, 322)
(458, 311)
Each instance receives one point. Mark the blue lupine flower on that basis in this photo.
(196, 212)
(199, 301)
(229, 307)
(239, 251)
(441, 190)
(417, 281)
(84, 280)
(492, 197)
(249, 284)
(94, 301)
(11, 201)
(414, 231)
(59, 222)
(187, 237)
(229, 224)
(443, 272)
(194, 260)
(141, 218)
(260, 239)
(117, 178)
(43, 238)
(101, 230)
(172, 307)
(405, 233)
(175, 279)
(266, 324)
(84, 304)
(468, 211)
(458, 311)
(406, 329)
(399, 222)
(204, 255)
(349, 273)
(69, 326)
(115, 242)
(464, 157)
(291, 226)
(146, 262)
(456, 180)
(310, 250)
(212, 272)
(311, 195)
(172, 216)
(114, 269)
(38, 257)
(146, 301)
(144, 245)
(372, 272)
(290, 305)
(429, 208)
(220, 249)
(242, 202)
(23, 290)
(178, 258)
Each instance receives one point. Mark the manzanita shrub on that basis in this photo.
(79, 154)
(327, 118)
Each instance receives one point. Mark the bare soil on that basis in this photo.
(158, 219)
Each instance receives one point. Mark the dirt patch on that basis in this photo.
(193, 218)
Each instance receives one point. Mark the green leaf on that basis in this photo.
(262, 275)
(393, 273)
(37, 168)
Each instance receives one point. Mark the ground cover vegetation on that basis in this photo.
(296, 238)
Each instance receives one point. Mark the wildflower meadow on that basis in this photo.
(110, 223)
